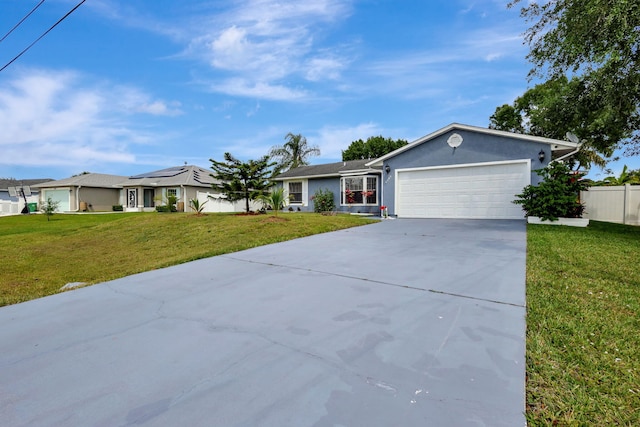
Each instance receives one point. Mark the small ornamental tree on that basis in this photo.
(239, 180)
(50, 207)
(557, 196)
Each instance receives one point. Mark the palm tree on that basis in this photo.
(624, 178)
(293, 153)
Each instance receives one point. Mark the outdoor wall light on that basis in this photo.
(541, 156)
(387, 169)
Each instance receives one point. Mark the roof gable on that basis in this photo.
(555, 144)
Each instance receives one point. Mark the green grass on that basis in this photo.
(583, 290)
(583, 325)
(40, 256)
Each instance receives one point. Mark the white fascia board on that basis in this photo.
(361, 172)
(330, 175)
(302, 177)
(555, 144)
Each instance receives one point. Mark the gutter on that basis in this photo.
(561, 158)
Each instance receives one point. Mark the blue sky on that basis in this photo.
(125, 87)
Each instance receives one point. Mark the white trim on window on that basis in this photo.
(358, 185)
(305, 191)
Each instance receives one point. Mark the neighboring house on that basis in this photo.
(145, 191)
(354, 185)
(12, 204)
(458, 171)
(138, 193)
(85, 192)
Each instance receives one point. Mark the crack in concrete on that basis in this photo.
(379, 282)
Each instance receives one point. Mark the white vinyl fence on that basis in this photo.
(8, 207)
(619, 204)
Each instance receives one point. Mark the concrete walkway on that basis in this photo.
(400, 323)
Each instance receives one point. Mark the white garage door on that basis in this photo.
(60, 196)
(484, 190)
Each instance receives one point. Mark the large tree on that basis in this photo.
(599, 41)
(558, 106)
(372, 148)
(239, 180)
(294, 153)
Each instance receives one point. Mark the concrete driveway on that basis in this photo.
(399, 323)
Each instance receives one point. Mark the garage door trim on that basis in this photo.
(526, 163)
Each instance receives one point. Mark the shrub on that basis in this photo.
(323, 201)
(558, 195)
(196, 206)
(275, 200)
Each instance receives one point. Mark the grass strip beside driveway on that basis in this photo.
(583, 325)
(40, 256)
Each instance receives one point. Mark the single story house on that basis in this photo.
(143, 192)
(355, 185)
(84, 192)
(138, 193)
(10, 204)
(459, 171)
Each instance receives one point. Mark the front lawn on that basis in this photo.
(583, 325)
(40, 256)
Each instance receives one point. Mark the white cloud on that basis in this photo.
(257, 89)
(267, 44)
(55, 118)
(324, 69)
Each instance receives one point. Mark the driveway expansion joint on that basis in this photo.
(379, 282)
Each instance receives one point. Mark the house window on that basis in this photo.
(295, 192)
(148, 198)
(359, 190)
(172, 192)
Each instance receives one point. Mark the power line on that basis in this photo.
(21, 21)
(43, 34)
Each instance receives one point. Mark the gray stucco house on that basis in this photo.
(459, 171)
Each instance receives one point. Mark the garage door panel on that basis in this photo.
(477, 191)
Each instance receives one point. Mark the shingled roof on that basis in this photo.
(328, 170)
(99, 180)
(5, 183)
(189, 175)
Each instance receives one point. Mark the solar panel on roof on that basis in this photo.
(164, 173)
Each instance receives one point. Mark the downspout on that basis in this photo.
(78, 199)
(183, 197)
(382, 191)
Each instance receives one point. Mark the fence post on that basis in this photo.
(627, 190)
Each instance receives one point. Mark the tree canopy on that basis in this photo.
(372, 148)
(599, 42)
(239, 180)
(558, 106)
(294, 153)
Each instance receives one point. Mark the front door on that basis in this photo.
(132, 198)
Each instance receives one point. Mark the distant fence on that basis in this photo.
(10, 208)
(619, 204)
